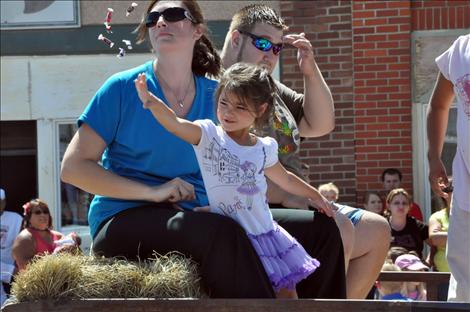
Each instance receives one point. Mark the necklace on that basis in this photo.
(180, 101)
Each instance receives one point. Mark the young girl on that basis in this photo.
(411, 262)
(234, 163)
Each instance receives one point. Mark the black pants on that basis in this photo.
(229, 266)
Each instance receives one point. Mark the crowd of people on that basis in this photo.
(192, 132)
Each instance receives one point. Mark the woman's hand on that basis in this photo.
(438, 179)
(173, 191)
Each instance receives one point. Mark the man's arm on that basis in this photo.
(319, 111)
(437, 117)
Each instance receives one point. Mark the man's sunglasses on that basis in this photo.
(40, 211)
(170, 15)
(263, 44)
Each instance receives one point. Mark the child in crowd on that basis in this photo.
(234, 163)
(391, 290)
(411, 262)
(330, 191)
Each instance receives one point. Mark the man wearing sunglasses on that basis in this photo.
(256, 36)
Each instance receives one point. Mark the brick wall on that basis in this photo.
(363, 50)
(382, 95)
(443, 14)
(327, 24)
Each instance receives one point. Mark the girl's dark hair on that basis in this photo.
(29, 211)
(206, 60)
(252, 85)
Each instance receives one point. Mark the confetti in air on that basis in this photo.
(106, 40)
(121, 53)
(107, 22)
(131, 8)
(127, 43)
(109, 15)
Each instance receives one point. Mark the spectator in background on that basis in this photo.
(37, 237)
(10, 226)
(373, 203)
(411, 262)
(453, 80)
(329, 191)
(391, 290)
(391, 179)
(438, 227)
(407, 232)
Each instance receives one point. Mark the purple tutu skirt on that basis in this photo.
(286, 262)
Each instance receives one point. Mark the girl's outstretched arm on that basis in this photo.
(295, 185)
(184, 129)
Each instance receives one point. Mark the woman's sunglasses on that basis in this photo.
(170, 15)
(263, 44)
(41, 211)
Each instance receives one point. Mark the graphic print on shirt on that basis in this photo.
(226, 166)
(407, 241)
(248, 186)
(287, 132)
(463, 88)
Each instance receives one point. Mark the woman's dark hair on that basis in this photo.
(28, 211)
(206, 60)
(252, 85)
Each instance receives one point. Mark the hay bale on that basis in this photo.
(65, 276)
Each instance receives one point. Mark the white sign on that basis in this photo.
(26, 14)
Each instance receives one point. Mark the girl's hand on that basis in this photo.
(147, 98)
(173, 191)
(323, 205)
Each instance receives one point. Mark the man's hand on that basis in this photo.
(305, 56)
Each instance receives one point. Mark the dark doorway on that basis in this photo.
(18, 162)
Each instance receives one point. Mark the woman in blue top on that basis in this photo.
(146, 169)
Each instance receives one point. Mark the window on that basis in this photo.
(74, 202)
